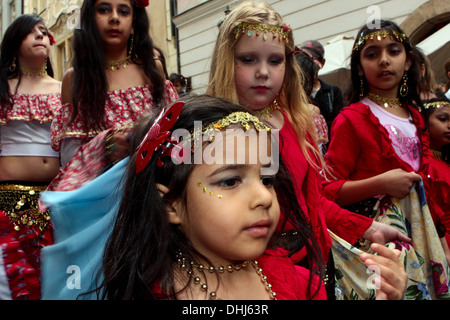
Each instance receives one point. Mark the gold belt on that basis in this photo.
(21, 205)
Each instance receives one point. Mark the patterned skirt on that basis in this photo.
(24, 231)
(424, 258)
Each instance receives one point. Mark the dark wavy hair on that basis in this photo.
(89, 84)
(354, 91)
(143, 245)
(426, 113)
(12, 40)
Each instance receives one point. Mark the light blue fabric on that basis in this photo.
(82, 221)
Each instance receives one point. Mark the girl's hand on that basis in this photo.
(382, 233)
(391, 275)
(398, 183)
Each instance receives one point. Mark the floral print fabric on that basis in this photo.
(124, 108)
(32, 107)
(424, 259)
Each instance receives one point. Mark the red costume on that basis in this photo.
(322, 212)
(360, 148)
(437, 186)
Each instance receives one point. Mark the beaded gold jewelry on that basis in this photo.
(404, 87)
(21, 206)
(385, 102)
(437, 154)
(117, 64)
(242, 118)
(379, 35)
(267, 112)
(230, 268)
(436, 105)
(256, 28)
(34, 71)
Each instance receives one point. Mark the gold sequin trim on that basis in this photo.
(21, 205)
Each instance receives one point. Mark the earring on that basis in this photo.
(404, 87)
(13, 65)
(361, 90)
(131, 45)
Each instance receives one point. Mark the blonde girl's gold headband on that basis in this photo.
(257, 28)
(379, 35)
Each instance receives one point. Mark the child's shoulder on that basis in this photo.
(357, 109)
(357, 106)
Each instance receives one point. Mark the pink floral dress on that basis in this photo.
(123, 109)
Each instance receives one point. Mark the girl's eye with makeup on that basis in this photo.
(396, 50)
(370, 53)
(125, 12)
(103, 9)
(268, 181)
(229, 182)
(246, 59)
(276, 60)
(41, 30)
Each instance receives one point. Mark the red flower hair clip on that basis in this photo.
(52, 40)
(141, 3)
(157, 135)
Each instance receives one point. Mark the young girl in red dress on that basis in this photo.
(436, 113)
(29, 98)
(204, 230)
(253, 64)
(379, 150)
(113, 83)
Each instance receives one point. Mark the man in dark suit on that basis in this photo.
(327, 97)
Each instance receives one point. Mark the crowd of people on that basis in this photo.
(267, 187)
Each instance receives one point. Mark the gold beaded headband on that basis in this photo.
(256, 28)
(158, 137)
(436, 105)
(242, 118)
(180, 150)
(379, 34)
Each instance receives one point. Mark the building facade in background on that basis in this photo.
(62, 17)
(322, 20)
(186, 30)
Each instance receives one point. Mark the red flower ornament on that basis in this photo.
(157, 135)
(141, 3)
(52, 40)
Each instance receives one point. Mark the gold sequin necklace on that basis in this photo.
(385, 102)
(117, 64)
(267, 112)
(41, 72)
(437, 154)
(230, 268)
